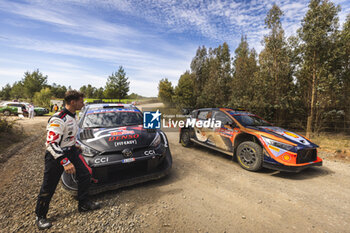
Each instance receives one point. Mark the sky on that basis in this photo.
(80, 42)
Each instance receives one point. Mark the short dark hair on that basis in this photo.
(72, 95)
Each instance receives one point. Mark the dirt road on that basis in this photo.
(205, 192)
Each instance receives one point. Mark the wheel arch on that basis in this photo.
(243, 137)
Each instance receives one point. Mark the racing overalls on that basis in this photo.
(60, 151)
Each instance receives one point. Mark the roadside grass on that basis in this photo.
(10, 132)
(337, 145)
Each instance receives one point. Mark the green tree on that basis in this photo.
(317, 34)
(183, 94)
(43, 97)
(99, 93)
(117, 86)
(17, 90)
(216, 78)
(275, 68)
(199, 67)
(33, 82)
(89, 91)
(58, 91)
(5, 93)
(245, 68)
(344, 98)
(165, 92)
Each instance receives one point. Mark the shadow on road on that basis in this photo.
(308, 173)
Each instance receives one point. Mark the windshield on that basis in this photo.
(112, 118)
(251, 120)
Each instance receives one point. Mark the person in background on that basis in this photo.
(31, 111)
(55, 107)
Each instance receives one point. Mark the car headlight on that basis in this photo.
(281, 145)
(156, 141)
(88, 151)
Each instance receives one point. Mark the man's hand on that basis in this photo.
(69, 168)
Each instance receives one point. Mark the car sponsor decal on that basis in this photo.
(98, 134)
(226, 132)
(129, 160)
(101, 160)
(289, 135)
(123, 137)
(274, 148)
(122, 132)
(123, 143)
(111, 110)
(149, 152)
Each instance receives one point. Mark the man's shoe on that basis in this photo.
(42, 223)
(88, 205)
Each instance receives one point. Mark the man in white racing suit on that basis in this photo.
(63, 155)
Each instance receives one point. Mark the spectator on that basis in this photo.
(55, 107)
(31, 111)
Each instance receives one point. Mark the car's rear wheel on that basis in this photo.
(185, 138)
(7, 113)
(250, 156)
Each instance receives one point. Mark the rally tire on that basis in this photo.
(69, 182)
(250, 156)
(185, 138)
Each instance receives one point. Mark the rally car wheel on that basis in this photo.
(69, 181)
(185, 138)
(250, 156)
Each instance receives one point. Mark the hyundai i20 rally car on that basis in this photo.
(117, 150)
(254, 142)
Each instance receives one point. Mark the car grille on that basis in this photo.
(306, 155)
(134, 150)
(126, 171)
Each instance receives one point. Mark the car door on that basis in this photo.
(13, 108)
(224, 135)
(201, 133)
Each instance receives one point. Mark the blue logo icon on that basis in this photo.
(151, 120)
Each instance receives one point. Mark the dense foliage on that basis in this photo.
(298, 82)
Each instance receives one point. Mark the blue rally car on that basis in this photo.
(254, 142)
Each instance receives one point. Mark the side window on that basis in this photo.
(220, 116)
(203, 115)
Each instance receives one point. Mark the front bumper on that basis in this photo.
(162, 170)
(281, 167)
(115, 175)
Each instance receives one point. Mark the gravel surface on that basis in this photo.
(205, 192)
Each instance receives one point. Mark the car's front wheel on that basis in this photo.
(185, 138)
(250, 156)
(69, 181)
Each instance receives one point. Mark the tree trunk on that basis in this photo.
(312, 104)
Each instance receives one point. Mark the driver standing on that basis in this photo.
(63, 155)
